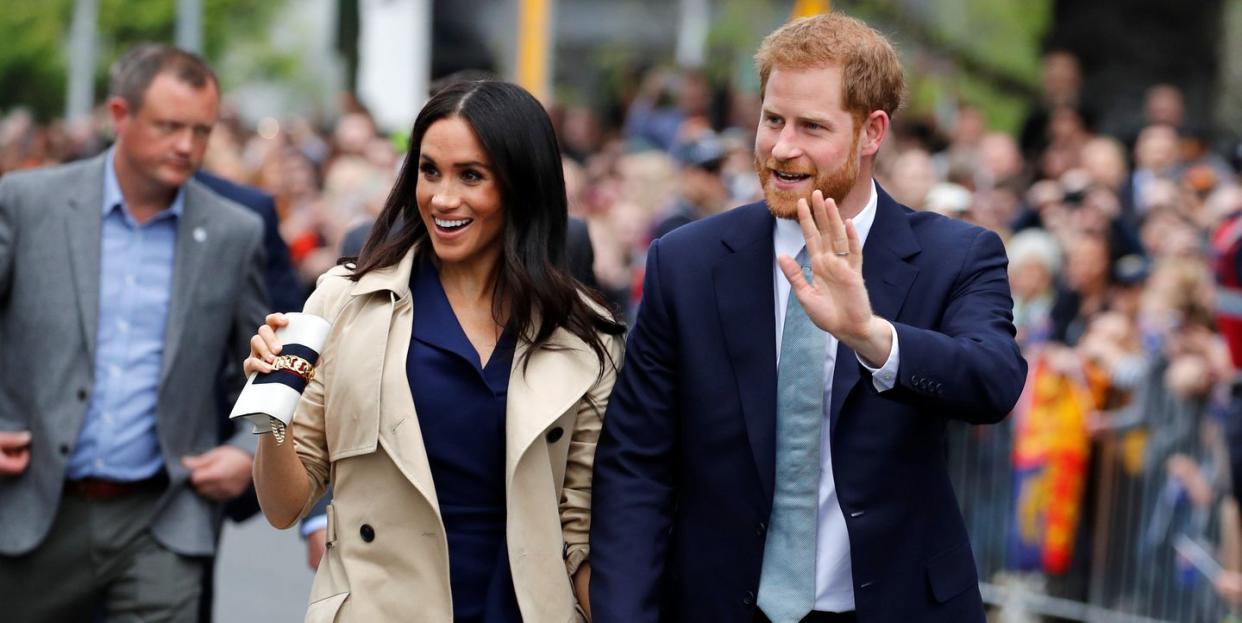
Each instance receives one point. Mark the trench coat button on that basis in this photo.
(555, 434)
(82, 394)
(64, 449)
(367, 532)
(565, 551)
(748, 599)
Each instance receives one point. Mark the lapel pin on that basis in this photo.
(200, 234)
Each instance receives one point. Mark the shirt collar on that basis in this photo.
(787, 235)
(114, 198)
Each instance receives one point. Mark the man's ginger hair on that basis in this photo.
(871, 73)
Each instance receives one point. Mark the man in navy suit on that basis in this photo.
(724, 494)
(281, 281)
(285, 294)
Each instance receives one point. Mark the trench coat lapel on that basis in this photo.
(399, 431)
(543, 384)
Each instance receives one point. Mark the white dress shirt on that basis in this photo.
(834, 585)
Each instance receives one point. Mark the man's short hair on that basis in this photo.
(133, 73)
(870, 68)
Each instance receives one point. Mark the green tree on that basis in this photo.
(34, 56)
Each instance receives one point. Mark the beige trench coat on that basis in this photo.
(356, 427)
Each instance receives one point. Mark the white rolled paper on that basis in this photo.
(276, 395)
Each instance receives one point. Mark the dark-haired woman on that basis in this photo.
(457, 401)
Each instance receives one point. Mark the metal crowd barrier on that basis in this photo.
(1135, 523)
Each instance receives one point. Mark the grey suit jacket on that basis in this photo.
(50, 229)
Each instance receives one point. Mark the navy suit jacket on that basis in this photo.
(282, 283)
(282, 290)
(685, 464)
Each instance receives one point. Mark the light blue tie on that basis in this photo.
(787, 582)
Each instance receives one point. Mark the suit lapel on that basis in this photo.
(745, 303)
(194, 241)
(84, 230)
(888, 277)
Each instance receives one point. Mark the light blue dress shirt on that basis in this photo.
(118, 438)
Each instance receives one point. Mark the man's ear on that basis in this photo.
(119, 110)
(874, 130)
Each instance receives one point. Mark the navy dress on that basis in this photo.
(461, 411)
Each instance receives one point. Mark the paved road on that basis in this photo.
(261, 574)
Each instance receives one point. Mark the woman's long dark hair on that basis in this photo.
(532, 281)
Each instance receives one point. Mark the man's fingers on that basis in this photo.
(14, 462)
(212, 475)
(793, 272)
(14, 440)
(819, 211)
(211, 483)
(208, 478)
(856, 247)
(213, 492)
(831, 226)
(201, 477)
(194, 462)
(809, 232)
(205, 475)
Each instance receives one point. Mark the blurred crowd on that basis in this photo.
(1124, 257)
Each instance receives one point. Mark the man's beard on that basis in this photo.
(834, 184)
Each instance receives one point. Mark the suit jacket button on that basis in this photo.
(748, 599)
(64, 449)
(367, 532)
(82, 394)
(555, 434)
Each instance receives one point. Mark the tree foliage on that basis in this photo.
(35, 53)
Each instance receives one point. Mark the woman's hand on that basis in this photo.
(264, 346)
(582, 582)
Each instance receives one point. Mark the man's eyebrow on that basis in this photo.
(813, 118)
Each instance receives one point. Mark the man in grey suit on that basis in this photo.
(124, 285)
